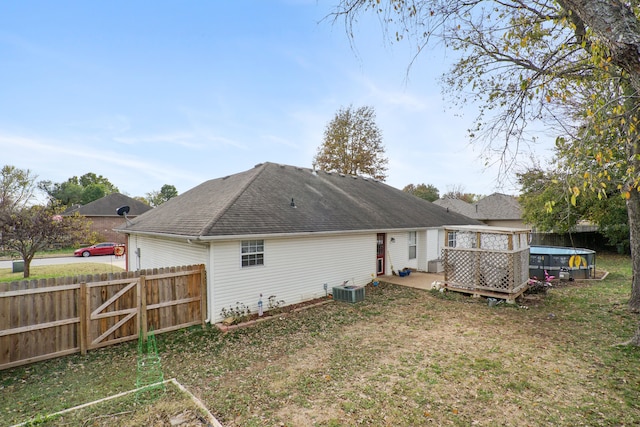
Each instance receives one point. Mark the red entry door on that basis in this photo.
(380, 251)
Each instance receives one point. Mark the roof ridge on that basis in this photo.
(240, 192)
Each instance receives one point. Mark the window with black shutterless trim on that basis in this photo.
(252, 253)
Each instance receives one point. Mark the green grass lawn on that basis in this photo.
(42, 254)
(45, 272)
(403, 357)
(61, 270)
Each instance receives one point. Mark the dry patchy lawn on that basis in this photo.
(404, 357)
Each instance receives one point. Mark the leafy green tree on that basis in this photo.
(92, 192)
(66, 193)
(34, 228)
(78, 191)
(545, 202)
(547, 205)
(156, 198)
(16, 190)
(526, 62)
(91, 178)
(611, 215)
(353, 145)
(426, 192)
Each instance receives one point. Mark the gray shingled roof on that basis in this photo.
(457, 205)
(499, 206)
(107, 205)
(496, 206)
(258, 201)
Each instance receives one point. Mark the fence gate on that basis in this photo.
(112, 312)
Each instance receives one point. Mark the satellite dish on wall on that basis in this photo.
(123, 210)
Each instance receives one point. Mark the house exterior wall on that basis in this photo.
(423, 250)
(294, 270)
(507, 223)
(398, 251)
(104, 225)
(435, 240)
(157, 253)
(429, 247)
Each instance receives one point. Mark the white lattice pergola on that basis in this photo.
(487, 261)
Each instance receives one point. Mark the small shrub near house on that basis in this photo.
(235, 315)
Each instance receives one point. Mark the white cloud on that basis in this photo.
(127, 171)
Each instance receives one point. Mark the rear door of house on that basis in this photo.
(380, 251)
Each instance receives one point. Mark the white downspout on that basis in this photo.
(209, 270)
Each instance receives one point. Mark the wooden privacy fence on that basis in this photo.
(43, 319)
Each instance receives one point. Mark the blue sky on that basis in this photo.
(167, 92)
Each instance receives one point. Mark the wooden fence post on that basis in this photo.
(83, 302)
(142, 306)
(203, 295)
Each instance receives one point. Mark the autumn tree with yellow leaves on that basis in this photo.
(571, 65)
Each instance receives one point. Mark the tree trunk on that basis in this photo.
(26, 273)
(27, 265)
(615, 23)
(633, 211)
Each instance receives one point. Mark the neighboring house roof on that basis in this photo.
(499, 206)
(259, 202)
(457, 205)
(496, 206)
(107, 205)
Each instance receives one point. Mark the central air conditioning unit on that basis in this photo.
(350, 294)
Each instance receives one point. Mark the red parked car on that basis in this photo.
(106, 248)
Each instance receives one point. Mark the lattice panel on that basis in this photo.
(521, 267)
(459, 265)
(494, 271)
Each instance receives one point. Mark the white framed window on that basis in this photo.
(252, 253)
(451, 239)
(413, 239)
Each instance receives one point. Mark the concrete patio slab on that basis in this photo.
(416, 279)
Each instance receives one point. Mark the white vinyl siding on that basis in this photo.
(296, 271)
(397, 244)
(421, 250)
(435, 238)
(158, 253)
